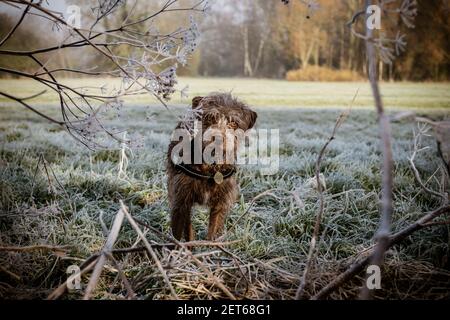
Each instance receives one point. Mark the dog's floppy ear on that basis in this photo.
(252, 119)
(196, 102)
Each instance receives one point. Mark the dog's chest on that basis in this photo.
(204, 197)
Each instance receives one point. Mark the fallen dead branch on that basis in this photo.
(58, 292)
(9, 273)
(45, 247)
(97, 261)
(191, 244)
(359, 265)
(112, 237)
(150, 250)
(215, 280)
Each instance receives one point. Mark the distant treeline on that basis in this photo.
(263, 38)
(260, 38)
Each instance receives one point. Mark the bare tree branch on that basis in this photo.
(137, 72)
(383, 232)
(359, 264)
(21, 101)
(11, 32)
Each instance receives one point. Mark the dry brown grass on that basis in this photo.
(316, 73)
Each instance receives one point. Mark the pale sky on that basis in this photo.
(56, 5)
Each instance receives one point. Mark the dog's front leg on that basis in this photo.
(217, 217)
(181, 220)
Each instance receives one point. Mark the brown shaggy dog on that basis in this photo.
(213, 185)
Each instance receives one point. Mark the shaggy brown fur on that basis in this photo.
(221, 112)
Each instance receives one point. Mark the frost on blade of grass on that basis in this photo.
(274, 232)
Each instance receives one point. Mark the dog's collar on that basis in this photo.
(218, 177)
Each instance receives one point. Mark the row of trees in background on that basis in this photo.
(259, 38)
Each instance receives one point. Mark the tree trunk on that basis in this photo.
(317, 55)
(341, 53)
(306, 55)
(248, 71)
(330, 57)
(380, 70)
(391, 78)
(262, 42)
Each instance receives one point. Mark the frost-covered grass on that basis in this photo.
(274, 233)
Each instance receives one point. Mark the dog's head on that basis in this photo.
(222, 116)
(222, 110)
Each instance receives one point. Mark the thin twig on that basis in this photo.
(416, 172)
(123, 277)
(316, 233)
(150, 250)
(185, 247)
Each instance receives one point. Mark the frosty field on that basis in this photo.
(54, 191)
